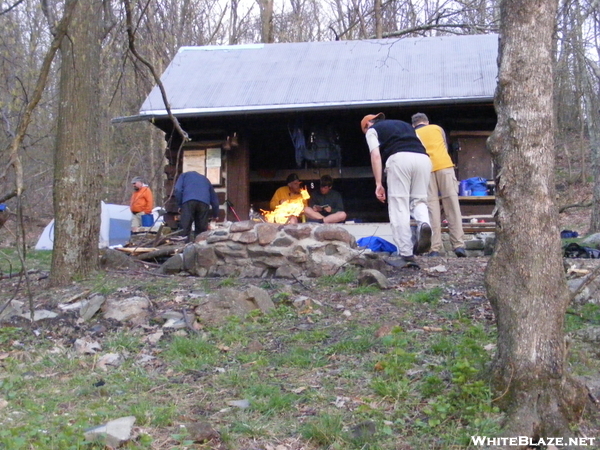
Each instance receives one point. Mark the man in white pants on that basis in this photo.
(394, 145)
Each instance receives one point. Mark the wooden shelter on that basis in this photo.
(244, 109)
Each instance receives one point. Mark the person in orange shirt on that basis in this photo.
(141, 202)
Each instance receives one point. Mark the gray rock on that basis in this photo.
(299, 231)
(229, 302)
(247, 237)
(14, 308)
(222, 304)
(593, 240)
(589, 334)
(134, 309)
(260, 298)
(245, 225)
(474, 244)
(114, 259)
(172, 265)
(113, 433)
(334, 233)
(266, 232)
(288, 271)
(369, 277)
(39, 314)
(231, 249)
(91, 306)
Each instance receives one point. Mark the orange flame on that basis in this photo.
(287, 209)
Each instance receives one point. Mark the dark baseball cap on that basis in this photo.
(292, 177)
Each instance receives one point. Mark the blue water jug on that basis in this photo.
(147, 220)
(463, 188)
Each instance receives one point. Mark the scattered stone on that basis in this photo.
(39, 314)
(113, 433)
(369, 277)
(593, 240)
(260, 298)
(154, 337)
(85, 346)
(91, 306)
(175, 323)
(3, 403)
(14, 308)
(230, 302)
(98, 329)
(172, 265)
(437, 269)
(589, 334)
(110, 359)
(201, 432)
(133, 309)
(243, 404)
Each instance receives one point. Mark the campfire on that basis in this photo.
(290, 208)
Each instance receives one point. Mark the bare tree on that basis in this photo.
(525, 276)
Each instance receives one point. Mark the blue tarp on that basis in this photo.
(376, 244)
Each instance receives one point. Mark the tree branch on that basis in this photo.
(8, 196)
(575, 205)
(436, 26)
(133, 50)
(11, 7)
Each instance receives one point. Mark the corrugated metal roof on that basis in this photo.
(217, 80)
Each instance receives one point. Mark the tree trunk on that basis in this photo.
(77, 174)
(525, 277)
(378, 20)
(592, 103)
(266, 21)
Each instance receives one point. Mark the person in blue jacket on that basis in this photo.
(195, 197)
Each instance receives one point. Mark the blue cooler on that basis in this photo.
(147, 220)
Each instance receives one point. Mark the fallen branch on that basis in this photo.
(136, 250)
(78, 296)
(166, 251)
(575, 205)
(591, 277)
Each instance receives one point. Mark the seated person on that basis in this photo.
(290, 192)
(325, 206)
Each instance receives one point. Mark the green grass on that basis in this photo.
(431, 296)
(312, 379)
(10, 262)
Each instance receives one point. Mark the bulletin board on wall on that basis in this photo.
(206, 161)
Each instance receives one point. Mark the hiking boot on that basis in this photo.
(433, 254)
(460, 252)
(423, 243)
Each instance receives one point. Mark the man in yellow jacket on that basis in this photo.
(442, 184)
(141, 202)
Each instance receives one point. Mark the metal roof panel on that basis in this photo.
(219, 80)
